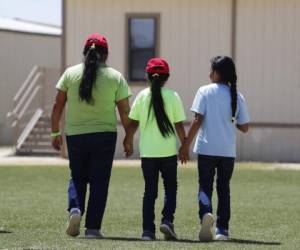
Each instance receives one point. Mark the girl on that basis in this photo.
(92, 90)
(217, 107)
(158, 112)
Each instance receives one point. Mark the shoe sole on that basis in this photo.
(74, 225)
(167, 231)
(145, 238)
(221, 237)
(206, 233)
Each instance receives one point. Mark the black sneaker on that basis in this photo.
(167, 228)
(148, 236)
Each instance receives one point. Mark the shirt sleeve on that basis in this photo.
(178, 109)
(199, 103)
(135, 110)
(62, 83)
(242, 115)
(123, 90)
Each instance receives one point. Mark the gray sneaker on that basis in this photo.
(73, 228)
(93, 234)
(167, 228)
(148, 236)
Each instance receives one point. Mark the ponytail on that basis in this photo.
(225, 67)
(233, 93)
(157, 103)
(94, 55)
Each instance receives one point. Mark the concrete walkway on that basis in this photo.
(7, 158)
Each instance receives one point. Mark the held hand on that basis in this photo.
(128, 146)
(57, 142)
(184, 153)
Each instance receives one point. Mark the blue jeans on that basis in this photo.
(151, 168)
(207, 166)
(91, 157)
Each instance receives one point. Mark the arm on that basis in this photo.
(58, 107)
(185, 148)
(128, 140)
(243, 127)
(124, 109)
(180, 131)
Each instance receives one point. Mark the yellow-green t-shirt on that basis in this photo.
(81, 117)
(152, 143)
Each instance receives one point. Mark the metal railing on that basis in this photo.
(32, 101)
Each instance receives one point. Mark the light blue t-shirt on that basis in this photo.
(217, 135)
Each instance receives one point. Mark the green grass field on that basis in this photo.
(265, 210)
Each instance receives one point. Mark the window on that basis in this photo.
(142, 36)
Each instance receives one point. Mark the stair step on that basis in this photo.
(37, 152)
(42, 130)
(42, 136)
(39, 142)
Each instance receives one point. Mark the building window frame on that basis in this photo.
(129, 49)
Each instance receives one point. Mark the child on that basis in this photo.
(216, 106)
(158, 112)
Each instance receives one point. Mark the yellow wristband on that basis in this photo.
(55, 134)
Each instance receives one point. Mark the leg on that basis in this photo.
(224, 173)
(169, 174)
(78, 183)
(101, 160)
(77, 198)
(206, 171)
(151, 174)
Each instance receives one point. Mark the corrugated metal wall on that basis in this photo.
(268, 58)
(19, 53)
(191, 32)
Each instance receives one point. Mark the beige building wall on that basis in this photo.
(268, 59)
(265, 43)
(19, 53)
(190, 34)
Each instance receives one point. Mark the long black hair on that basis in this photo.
(157, 103)
(225, 67)
(93, 56)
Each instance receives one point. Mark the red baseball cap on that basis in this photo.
(157, 65)
(96, 39)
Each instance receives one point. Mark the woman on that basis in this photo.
(92, 91)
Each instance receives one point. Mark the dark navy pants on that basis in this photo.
(151, 167)
(207, 167)
(91, 157)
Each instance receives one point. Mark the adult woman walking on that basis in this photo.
(92, 91)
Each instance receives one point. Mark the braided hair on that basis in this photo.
(225, 67)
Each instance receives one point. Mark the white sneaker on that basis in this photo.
(73, 228)
(222, 234)
(206, 233)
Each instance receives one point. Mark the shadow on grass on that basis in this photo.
(3, 231)
(253, 242)
(132, 239)
(188, 241)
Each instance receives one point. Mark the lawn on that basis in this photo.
(265, 210)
